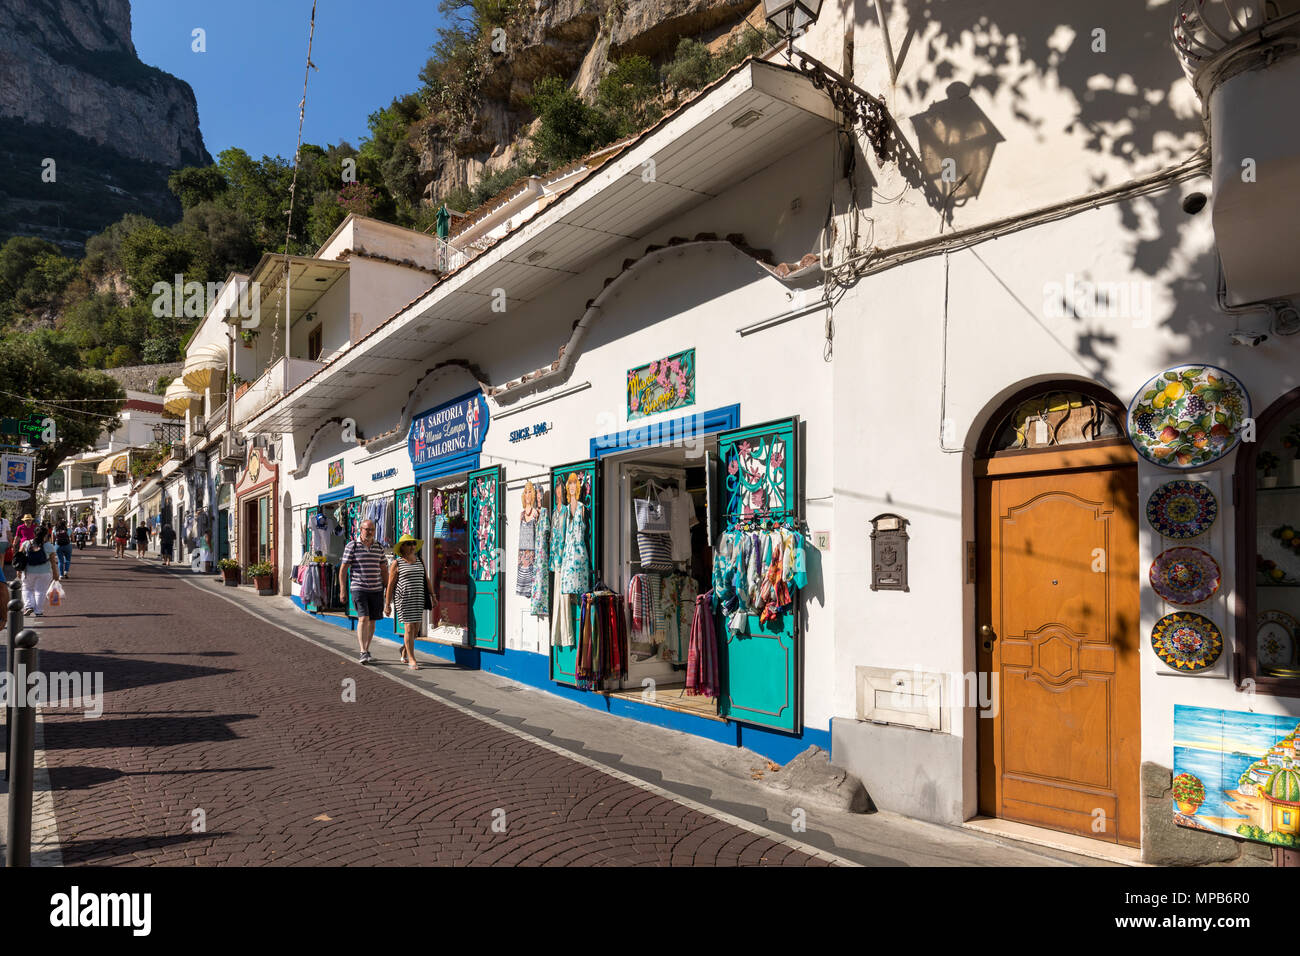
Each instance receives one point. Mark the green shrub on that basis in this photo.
(569, 127)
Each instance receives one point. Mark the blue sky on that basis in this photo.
(249, 81)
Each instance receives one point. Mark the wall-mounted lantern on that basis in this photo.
(888, 553)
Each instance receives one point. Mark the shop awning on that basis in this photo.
(112, 463)
(757, 114)
(178, 397)
(120, 509)
(201, 366)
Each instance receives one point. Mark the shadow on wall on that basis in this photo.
(956, 142)
(1102, 52)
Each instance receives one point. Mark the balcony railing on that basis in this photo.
(277, 381)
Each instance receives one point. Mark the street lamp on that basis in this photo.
(165, 433)
(791, 18)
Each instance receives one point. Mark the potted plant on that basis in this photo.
(262, 574)
(229, 571)
(1267, 463)
(1189, 793)
(1291, 440)
(249, 336)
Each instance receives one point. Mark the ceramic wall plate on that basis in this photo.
(1182, 509)
(1187, 642)
(1275, 639)
(1188, 416)
(1185, 575)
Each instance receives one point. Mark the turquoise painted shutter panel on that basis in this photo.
(486, 573)
(564, 659)
(762, 681)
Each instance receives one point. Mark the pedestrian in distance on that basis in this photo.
(24, 532)
(37, 559)
(120, 535)
(63, 547)
(410, 591)
(167, 542)
(365, 559)
(141, 540)
(5, 532)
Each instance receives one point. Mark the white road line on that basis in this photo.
(579, 758)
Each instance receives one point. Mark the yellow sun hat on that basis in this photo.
(397, 548)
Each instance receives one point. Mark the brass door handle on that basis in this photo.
(986, 632)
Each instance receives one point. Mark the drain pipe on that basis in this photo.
(889, 47)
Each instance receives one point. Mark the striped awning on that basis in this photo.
(202, 364)
(178, 397)
(111, 464)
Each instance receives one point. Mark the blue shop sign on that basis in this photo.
(450, 434)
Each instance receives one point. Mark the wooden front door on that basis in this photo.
(1059, 590)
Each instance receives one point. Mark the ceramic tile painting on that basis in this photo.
(1237, 773)
(661, 385)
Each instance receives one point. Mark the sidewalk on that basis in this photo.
(726, 779)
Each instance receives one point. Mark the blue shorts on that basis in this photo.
(369, 604)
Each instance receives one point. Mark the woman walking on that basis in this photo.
(38, 572)
(120, 534)
(411, 590)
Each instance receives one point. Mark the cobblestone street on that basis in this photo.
(210, 715)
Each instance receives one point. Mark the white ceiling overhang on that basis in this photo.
(309, 279)
(699, 151)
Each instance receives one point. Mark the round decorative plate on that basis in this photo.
(1182, 509)
(1185, 575)
(1275, 639)
(1187, 641)
(1188, 416)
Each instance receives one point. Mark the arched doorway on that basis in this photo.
(1057, 610)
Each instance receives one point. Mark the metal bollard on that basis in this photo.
(22, 749)
(15, 625)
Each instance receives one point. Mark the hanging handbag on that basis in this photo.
(656, 551)
(652, 513)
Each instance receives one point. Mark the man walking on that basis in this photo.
(166, 543)
(63, 547)
(120, 534)
(366, 559)
(141, 539)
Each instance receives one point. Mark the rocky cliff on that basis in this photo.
(574, 39)
(73, 90)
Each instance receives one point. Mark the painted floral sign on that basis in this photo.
(661, 386)
(1188, 416)
(1237, 773)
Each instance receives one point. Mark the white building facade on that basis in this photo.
(1009, 598)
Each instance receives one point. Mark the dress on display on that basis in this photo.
(540, 594)
(530, 542)
(575, 570)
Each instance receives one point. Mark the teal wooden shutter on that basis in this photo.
(762, 682)
(564, 659)
(486, 571)
(406, 507)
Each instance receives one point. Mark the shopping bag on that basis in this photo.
(55, 594)
(655, 551)
(652, 513)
